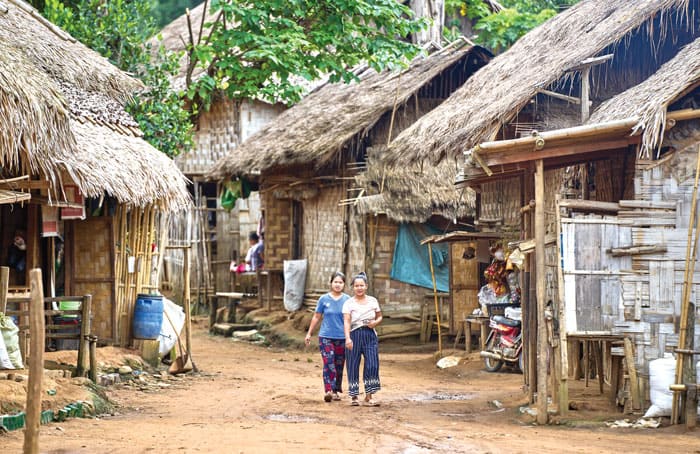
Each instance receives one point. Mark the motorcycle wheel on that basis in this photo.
(521, 362)
(492, 365)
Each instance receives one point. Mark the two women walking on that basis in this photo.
(356, 316)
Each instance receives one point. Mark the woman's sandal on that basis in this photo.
(371, 402)
(327, 397)
(336, 396)
(354, 402)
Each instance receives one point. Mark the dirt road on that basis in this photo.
(254, 399)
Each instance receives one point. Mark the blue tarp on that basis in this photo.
(411, 263)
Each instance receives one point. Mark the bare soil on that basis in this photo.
(253, 398)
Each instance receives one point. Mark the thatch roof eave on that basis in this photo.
(476, 111)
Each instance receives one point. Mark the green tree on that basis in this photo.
(273, 40)
(499, 30)
(118, 30)
(165, 11)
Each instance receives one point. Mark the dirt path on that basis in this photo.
(254, 399)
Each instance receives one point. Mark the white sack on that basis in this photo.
(5, 362)
(294, 283)
(662, 374)
(167, 337)
(10, 334)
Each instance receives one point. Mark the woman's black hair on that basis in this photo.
(360, 275)
(338, 274)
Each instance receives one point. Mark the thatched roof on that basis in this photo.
(125, 166)
(412, 194)
(495, 94)
(62, 113)
(315, 130)
(648, 102)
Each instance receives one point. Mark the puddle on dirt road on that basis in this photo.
(439, 396)
(279, 417)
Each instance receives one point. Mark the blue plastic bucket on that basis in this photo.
(148, 316)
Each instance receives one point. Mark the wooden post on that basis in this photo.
(437, 308)
(563, 343)
(632, 372)
(93, 358)
(83, 343)
(268, 291)
(212, 313)
(36, 363)
(542, 416)
(4, 285)
(258, 276)
(585, 93)
(186, 304)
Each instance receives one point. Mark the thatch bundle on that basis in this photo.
(648, 102)
(414, 193)
(495, 94)
(62, 113)
(33, 114)
(316, 130)
(56, 53)
(126, 167)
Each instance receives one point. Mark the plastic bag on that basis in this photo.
(168, 336)
(486, 295)
(294, 283)
(5, 362)
(10, 334)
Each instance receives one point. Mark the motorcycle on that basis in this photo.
(504, 344)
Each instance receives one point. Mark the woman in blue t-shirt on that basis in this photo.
(331, 336)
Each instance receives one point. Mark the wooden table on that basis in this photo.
(234, 299)
(483, 323)
(598, 345)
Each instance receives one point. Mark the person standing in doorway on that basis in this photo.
(361, 314)
(331, 336)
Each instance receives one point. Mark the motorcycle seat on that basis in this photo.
(506, 321)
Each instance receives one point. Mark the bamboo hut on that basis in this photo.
(79, 183)
(216, 235)
(307, 160)
(599, 193)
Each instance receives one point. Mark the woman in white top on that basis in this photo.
(361, 315)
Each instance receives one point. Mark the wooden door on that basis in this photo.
(464, 281)
(90, 247)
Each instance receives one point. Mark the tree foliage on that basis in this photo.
(500, 30)
(252, 49)
(118, 30)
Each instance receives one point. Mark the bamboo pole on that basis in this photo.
(437, 310)
(36, 363)
(577, 132)
(678, 399)
(542, 416)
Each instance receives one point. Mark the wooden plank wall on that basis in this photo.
(641, 295)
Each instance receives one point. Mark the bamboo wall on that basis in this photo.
(139, 233)
(278, 229)
(323, 237)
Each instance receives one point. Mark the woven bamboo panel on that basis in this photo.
(92, 270)
(501, 203)
(323, 236)
(278, 225)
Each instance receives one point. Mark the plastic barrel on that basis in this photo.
(148, 316)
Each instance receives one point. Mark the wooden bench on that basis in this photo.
(86, 341)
